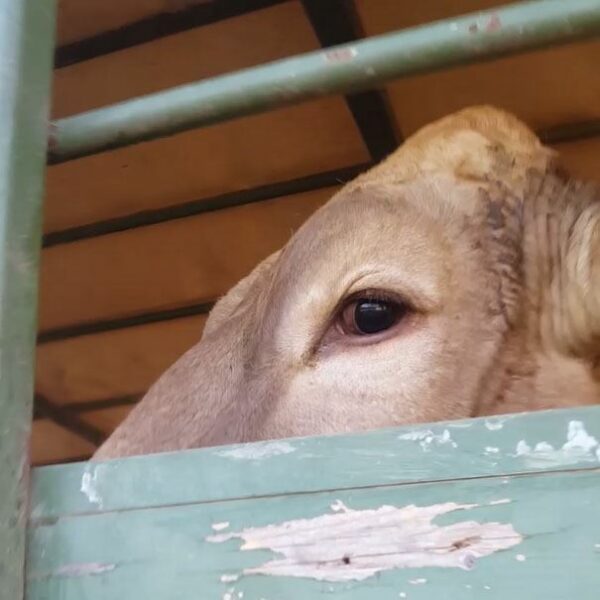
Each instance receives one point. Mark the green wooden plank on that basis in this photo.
(26, 43)
(442, 451)
(523, 538)
(356, 66)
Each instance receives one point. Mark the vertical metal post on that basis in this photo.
(26, 48)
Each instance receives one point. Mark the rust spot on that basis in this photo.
(473, 28)
(494, 24)
(346, 560)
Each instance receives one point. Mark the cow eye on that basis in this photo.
(368, 316)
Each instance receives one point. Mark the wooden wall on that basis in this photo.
(93, 287)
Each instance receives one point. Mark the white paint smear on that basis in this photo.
(427, 438)
(258, 451)
(89, 482)
(355, 545)
(580, 446)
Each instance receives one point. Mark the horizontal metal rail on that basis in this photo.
(346, 68)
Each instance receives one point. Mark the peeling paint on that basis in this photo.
(220, 526)
(258, 450)
(357, 544)
(494, 425)
(228, 578)
(580, 446)
(343, 54)
(419, 581)
(501, 501)
(89, 482)
(338, 506)
(427, 438)
(521, 557)
(491, 450)
(83, 569)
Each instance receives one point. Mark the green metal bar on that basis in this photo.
(350, 67)
(26, 45)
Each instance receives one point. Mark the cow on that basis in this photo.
(458, 278)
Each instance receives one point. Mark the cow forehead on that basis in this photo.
(385, 223)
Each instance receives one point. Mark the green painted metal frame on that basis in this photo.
(26, 44)
(142, 527)
(346, 68)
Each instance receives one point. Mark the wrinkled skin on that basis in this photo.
(494, 257)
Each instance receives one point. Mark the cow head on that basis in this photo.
(460, 277)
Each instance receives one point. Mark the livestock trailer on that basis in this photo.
(176, 164)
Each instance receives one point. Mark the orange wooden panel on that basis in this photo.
(52, 443)
(171, 264)
(106, 420)
(247, 153)
(199, 53)
(244, 153)
(582, 158)
(115, 363)
(79, 19)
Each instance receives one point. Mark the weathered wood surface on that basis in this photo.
(522, 492)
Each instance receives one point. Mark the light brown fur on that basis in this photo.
(471, 221)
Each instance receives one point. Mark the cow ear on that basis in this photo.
(563, 241)
(226, 307)
(581, 273)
